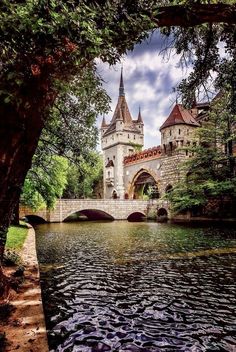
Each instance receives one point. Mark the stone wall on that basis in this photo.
(165, 170)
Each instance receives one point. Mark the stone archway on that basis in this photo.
(144, 185)
(162, 215)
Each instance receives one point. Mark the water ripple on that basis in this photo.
(138, 288)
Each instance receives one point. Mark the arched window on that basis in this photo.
(169, 188)
(114, 194)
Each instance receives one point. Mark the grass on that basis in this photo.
(16, 236)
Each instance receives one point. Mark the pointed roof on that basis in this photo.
(179, 115)
(122, 113)
(104, 124)
(140, 119)
(121, 89)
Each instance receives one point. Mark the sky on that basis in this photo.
(149, 79)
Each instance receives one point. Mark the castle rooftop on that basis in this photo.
(179, 115)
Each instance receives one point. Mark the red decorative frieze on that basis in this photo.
(148, 154)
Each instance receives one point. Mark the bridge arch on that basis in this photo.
(34, 219)
(90, 214)
(144, 183)
(162, 215)
(136, 216)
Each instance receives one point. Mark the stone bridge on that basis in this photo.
(113, 209)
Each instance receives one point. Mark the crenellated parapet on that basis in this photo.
(148, 154)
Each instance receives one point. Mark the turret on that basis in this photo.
(139, 121)
(177, 130)
(104, 126)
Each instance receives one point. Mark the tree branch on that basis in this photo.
(196, 14)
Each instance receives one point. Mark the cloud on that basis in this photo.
(149, 80)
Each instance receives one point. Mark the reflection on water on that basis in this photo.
(146, 287)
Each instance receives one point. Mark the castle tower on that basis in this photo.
(119, 138)
(177, 130)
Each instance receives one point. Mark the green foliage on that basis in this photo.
(71, 130)
(210, 173)
(82, 178)
(55, 39)
(48, 42)
(137, 147)
(45, 183)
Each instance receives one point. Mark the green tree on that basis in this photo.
(210, 171)
(70, 130)
(83, 178)
(45, 183)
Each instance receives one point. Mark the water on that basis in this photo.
(147, 287)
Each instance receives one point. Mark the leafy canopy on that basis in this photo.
(44, 184)
(84, 177)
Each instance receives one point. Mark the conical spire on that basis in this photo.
(140, 119)
(103, 122)
(121, 89)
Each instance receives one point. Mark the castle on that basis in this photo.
(133, 173)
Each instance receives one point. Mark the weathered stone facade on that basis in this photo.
(130, 174)
(119, 138)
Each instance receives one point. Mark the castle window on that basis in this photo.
(109, 174)
(114, 157)
(187, 131)
(131, 151)
(169, 189)
(170, 132)
(134, 136)
(186, 151)
(179, 131)
(128, 135)
(181, 143)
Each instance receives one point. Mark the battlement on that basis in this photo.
(148, 154)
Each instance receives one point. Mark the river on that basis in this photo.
(132, 287)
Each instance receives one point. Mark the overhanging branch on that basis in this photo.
(196, 14)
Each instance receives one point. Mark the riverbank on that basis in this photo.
(25, 329)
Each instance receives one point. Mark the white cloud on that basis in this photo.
(148, 81)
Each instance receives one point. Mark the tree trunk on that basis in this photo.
(15, 219)
(19, 135)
